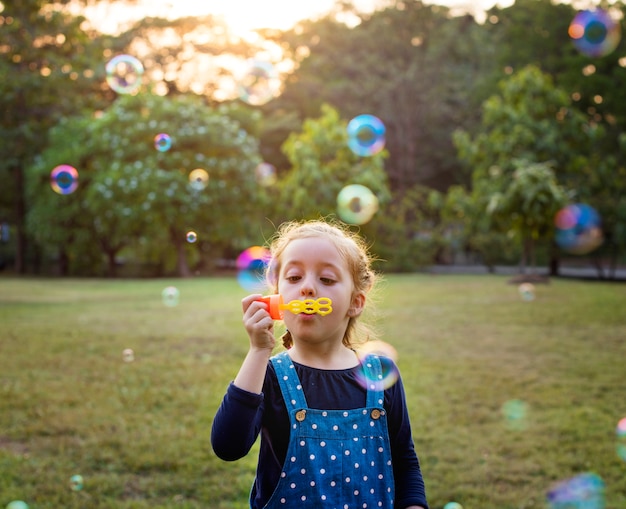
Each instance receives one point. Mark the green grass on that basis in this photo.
(138, 432)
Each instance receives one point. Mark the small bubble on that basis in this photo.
(526, 291)
(64, 179)
(198, 179)
(162, 142)
(515, 412)
(170, 296)
(265, 174)
(259, 83)
(191, 237)
(76, 482)
(124, 74)
(621, 438)
(128, 355)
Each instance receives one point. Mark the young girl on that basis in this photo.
(326, 441)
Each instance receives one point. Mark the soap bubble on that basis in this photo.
(388, 357)
(356, 204)
(128, 355)
(170, 296)
(265, 174)
(621, 438)
(124, 73)
(191, 236)
(515, 413)
(583, 491)
(251, 265)
(198, 179)
(76, 482)
(64, 179)
(17, 504)
(594, 32)
(366, 135)
(526, 291)
(578, 229)
(162, 142)
(453, 505)
(258, 83)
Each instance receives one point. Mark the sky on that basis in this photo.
(245, 15)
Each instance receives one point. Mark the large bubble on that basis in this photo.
(356, 204)
(258, 83)
(366, 135)
(594, 32)
(124, 74)
(64, 179)
(578, 229)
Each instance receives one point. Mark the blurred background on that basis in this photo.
(145, 139)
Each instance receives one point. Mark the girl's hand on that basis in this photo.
(258, 323)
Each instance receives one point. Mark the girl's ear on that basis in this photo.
(357, 305)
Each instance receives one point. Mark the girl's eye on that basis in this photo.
(292, 278)
(327, 280)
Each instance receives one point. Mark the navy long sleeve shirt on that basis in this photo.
(243, 415)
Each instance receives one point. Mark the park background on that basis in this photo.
(494, 122)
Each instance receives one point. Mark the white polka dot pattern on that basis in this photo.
(338, 458)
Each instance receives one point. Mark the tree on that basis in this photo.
(133, 196)
(530, 120)
(427, 79)
(528, 205)
(47, 69)
(322, 164)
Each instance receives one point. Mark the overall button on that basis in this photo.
(300, 415)
(375, 413)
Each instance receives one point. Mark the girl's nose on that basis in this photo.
(307, 289)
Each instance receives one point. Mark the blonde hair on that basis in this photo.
(352, 249)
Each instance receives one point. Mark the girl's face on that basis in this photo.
(312, 268)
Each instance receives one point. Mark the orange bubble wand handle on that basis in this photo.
(276, 305)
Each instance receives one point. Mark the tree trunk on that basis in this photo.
(64, 263)
(20, 215)
(182, 267)
(555, 261)
(111, 267)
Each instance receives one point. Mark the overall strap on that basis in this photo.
(289, 382)
(373, 372)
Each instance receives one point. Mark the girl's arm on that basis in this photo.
(238, 420)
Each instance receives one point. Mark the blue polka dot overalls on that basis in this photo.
(336, 459)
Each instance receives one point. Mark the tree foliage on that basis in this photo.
(467, 107)
(132, 194)
(322, 164)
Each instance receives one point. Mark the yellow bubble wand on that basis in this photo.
(276, 305)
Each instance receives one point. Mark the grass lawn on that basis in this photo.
(506, 396)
